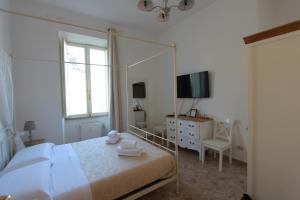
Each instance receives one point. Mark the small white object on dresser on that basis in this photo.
(191, 132)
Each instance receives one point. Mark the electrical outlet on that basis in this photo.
(239, 147)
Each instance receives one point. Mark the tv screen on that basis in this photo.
(194, 85)
(183, 86)
(139, 90)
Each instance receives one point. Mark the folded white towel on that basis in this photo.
(128, 144)
(113, 133)
(130, 152)
(112, 140)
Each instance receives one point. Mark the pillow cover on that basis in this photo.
(29, 155)
(28, 183)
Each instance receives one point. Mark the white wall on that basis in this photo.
(5, 40)
(272, 13)
(37, 83)
(212, 40)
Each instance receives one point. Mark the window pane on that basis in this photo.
(97, 57)
(99, 89)
(74, 54)
(75, 82)
(99, 81)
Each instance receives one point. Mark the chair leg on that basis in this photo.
(203, 154)
(230, 155)
(220, 160)
(215, 154)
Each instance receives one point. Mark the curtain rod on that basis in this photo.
(58, 62)
(83, 27)
(98, 65)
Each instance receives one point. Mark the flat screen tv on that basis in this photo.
(194, 85)
(139, 90)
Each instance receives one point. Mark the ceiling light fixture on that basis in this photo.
(164, 11)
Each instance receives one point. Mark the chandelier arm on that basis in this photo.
(173, 6)
(155, 8)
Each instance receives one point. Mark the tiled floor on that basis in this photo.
(204, 182)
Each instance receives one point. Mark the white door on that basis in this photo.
(275, 108)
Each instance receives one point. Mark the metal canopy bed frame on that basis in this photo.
(130, 128)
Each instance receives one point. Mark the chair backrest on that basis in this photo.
(223, 130)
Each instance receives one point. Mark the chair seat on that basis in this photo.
(219, 144)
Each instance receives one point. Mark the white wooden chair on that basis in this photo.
(222, 140)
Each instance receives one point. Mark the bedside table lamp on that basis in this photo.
(29, 126)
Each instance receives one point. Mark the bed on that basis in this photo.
(89, 169)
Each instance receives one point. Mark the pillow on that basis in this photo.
(19, 145)
(28, 183)
(30, 155)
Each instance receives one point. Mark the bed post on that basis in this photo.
(175, 114)
(127, 105)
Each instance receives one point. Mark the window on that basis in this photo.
(85, 80)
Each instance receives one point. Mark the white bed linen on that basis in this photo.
(29, 156)
(28, 183)
(112, 176)
(68, 181)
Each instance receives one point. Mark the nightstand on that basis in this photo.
(34, 142)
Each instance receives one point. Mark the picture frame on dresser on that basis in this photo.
(193, 113)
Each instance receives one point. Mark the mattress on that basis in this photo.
(111, 176)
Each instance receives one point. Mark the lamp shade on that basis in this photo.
(29, 126)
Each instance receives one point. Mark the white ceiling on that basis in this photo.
(125, 12)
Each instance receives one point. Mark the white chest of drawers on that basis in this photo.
(191, 132)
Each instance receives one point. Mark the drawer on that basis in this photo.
(182, 131)
(170, 122)
(193, 144)
(181, 124)
(182, 141)
(193, 135)
(193, 126)
(171, 137)
(171, 130)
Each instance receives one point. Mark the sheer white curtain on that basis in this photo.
(6, 91)
(6, 106)
(115, 115)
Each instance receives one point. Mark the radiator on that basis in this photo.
(91, 130)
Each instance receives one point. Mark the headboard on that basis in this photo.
(6, 146)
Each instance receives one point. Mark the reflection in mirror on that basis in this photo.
(139, 106)
(151, 98)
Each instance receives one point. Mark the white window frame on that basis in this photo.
(87, 64)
